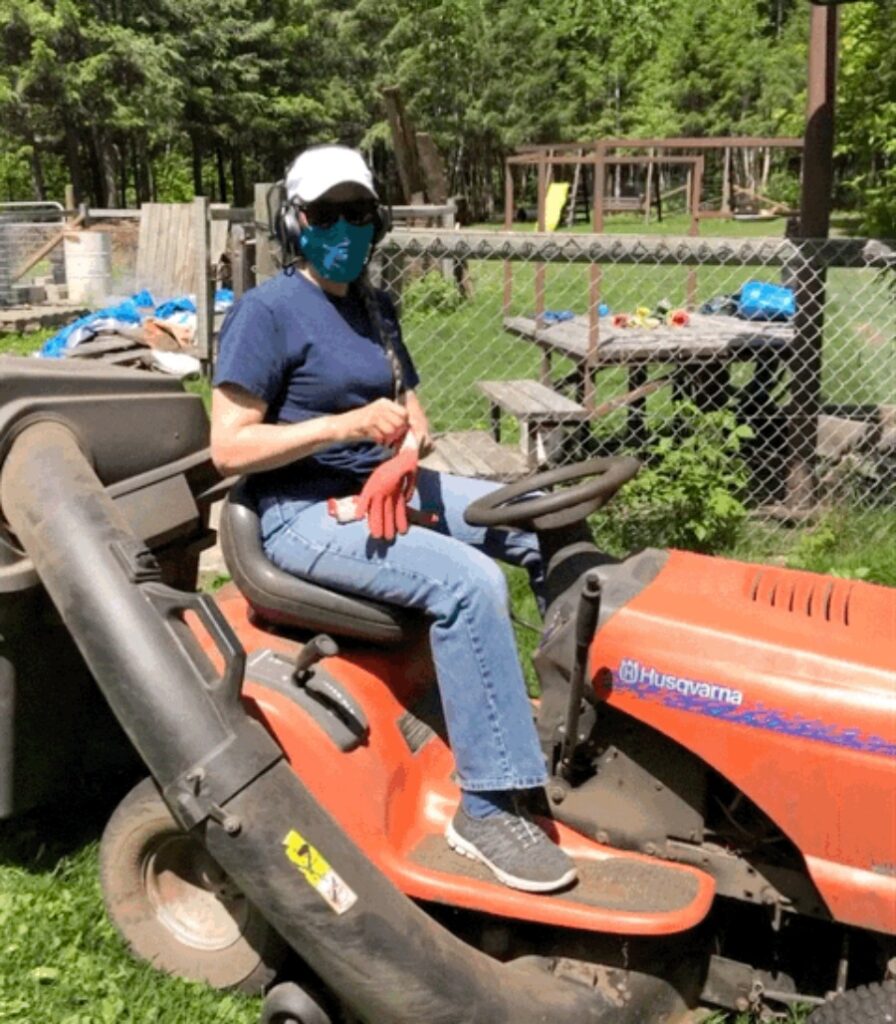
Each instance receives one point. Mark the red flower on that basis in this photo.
(678, 318)
(620, 319)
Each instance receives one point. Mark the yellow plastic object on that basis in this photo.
(554, 203)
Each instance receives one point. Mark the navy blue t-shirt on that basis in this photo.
(307, 353)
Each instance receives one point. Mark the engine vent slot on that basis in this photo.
(797, 593)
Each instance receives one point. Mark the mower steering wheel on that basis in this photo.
(601, 479)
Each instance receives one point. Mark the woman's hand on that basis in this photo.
(418, 424)
(382, 421)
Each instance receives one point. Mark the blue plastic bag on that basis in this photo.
(86, 327)
(183, 303)
(759, 300)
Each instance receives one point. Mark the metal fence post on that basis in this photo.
(265, 266)
(205, 289)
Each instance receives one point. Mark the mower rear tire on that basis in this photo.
(175, 907)
(867, 1004)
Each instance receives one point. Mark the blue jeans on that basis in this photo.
(448, 573)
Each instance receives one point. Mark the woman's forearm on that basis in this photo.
(255, 447)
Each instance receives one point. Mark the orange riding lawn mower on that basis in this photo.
(720, 736)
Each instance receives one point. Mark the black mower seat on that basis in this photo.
(284, 599)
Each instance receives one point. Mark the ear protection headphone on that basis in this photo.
(286, 226)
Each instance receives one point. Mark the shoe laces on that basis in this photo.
(525, 830)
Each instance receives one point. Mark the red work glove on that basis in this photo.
(384, 498)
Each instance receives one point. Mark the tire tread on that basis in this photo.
(867, 1004)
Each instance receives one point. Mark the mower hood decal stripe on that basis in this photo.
(714, 701)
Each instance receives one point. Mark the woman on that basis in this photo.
(315, 396)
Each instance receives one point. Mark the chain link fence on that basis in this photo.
(755, 378)
(24, 227)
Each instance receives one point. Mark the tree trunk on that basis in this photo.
(726, 181)
(766, 168)
(37, 173)
(222, 173)
(123, 174)
(96, 176)
(197, 164)
(238, 177)
(105, 154)
(73, 159)
(142, 170)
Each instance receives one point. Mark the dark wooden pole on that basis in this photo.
(815, 214)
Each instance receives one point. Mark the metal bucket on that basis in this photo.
(88, 266)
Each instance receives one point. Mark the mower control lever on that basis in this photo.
(320, 646)
(326, 691)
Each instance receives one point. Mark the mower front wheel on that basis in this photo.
(287, 1003)
(867, 1004)
(174, 906)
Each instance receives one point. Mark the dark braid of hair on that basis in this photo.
(386, 333)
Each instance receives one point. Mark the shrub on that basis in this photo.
(784, 187)
(689, 492)
(431, 293)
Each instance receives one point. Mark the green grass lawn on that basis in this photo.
(24, 344)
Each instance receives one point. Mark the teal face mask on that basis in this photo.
(338, 252)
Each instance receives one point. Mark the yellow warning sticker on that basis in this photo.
(317, 872)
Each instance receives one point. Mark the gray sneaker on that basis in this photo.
(514, 848)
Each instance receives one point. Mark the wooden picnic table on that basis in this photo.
(700, 354)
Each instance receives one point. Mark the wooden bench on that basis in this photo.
(541, 412)
(624, 204)
(476, 453)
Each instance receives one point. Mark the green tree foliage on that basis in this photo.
(132, 101)
(867, 113)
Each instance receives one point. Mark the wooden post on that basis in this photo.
(264, 259)
(647, 187)
(659, 195)
(576, 181)
(540, 268)
(240, 259)
(696, 188)
(205, 286)
(600, 151)
(594, 286)
(70, 200)
(815, 206)
(726, 181)
(454, 269)
(508, 225)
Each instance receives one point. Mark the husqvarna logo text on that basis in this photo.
(633, 675)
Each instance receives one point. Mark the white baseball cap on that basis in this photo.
(317, 170)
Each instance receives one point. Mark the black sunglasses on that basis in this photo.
(324, 215)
